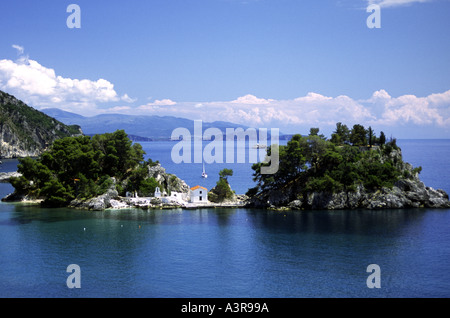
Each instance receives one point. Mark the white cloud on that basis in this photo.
(317, 110)
(440, 100)
(250, 110)
(251, 100)
(410, 109)
(380, 95)
(128, 99)
(163, 102)
(41, 87)
(312, 97)
(157, 104)
(117, 109)
(20, 49)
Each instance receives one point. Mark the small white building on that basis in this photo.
(177, 197)
(198, 194)
(157, 192)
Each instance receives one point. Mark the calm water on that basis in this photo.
(230, 252)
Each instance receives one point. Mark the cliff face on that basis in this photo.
(25, 131)
(407, 192)
(167, 180)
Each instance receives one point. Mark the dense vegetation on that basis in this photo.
(222, 191)
(350, 158)
(83, 167)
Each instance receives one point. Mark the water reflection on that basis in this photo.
(24, 214)
(361, 222)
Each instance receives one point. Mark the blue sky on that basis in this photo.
(285, 64)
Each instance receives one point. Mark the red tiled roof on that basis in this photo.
(198, 187)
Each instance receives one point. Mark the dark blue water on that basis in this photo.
(230, 252)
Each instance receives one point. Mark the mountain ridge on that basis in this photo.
(147, 127)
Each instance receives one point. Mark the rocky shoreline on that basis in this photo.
(404, 194)
(111, 200)
(5, 176)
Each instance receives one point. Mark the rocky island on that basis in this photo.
(101, 172)
(353, 170)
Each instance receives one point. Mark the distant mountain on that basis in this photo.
(25, 131)
(61, 114)
(140, 128)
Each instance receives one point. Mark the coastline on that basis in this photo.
(122, 203)
(379, 200)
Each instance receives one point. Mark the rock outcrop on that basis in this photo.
(406, 193)
(222, 193)
(111, 198)
(6, 176)
(170, 182)
(98, 203)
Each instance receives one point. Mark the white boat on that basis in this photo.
(204, 175)
(258, 146)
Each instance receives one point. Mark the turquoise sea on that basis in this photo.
(229, 253)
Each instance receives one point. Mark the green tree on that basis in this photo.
(382, 139)
(222, 191)
(118, 154)
(315, 132)
(314, 164)
(82, 167)
(371, 137)
(358, 135)
(56, 195)
(341, 135)
(225, 173)
(316, 148)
